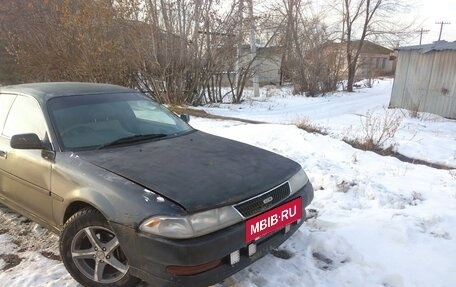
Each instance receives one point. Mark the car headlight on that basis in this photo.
(190, 226)
(297, 181)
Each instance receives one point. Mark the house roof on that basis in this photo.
(367, 48)
(436, 46)
(372, 48)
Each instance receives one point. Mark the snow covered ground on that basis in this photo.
(381, 222)
(426, 137)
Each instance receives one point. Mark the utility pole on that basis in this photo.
(422, 31)
(441, 23)
(253, 52)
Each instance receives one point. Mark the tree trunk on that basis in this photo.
(351, 76)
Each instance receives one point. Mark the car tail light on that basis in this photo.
(192, 270)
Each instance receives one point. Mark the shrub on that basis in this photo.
(377, 131)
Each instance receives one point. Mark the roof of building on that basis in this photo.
(367, 48)
(45, 91)
(436, 46)
(373, 48)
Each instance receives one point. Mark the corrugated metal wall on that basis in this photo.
(426, 82)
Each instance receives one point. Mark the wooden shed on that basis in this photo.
(425, 79)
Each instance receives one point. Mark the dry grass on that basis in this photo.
(377, 131)
(413, 112)
(453, 174)
(310, 127)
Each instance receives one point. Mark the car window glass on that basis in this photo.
(25, 116)
(5, 104)
(150, 111)
(91, 121)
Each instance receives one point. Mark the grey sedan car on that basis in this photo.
(135, 192)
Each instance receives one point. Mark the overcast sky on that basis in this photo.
(424, 13)
(433, 11)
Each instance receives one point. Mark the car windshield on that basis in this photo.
(85, 122)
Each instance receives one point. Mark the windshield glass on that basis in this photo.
(91, 121)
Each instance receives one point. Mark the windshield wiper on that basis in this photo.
(132, 139)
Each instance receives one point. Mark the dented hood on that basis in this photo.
(198, 171)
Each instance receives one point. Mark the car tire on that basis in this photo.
(91, 252)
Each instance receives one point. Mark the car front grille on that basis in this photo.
(264, 201)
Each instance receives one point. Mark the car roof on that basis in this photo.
(45, 91)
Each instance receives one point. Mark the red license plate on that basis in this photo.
(273, 219)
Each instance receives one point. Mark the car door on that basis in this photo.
(26, 174)
(6, 100)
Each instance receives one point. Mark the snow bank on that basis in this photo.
(381, 222)
(427, 137)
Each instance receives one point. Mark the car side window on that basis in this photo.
(5, 104)
(25, 116)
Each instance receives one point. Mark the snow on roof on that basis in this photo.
(435, 46)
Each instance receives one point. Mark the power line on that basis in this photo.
(441, 23)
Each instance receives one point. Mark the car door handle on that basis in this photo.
(3, 154)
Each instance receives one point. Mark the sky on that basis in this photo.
(432, 11)
(423, 13)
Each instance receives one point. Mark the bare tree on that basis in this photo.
(67, 40)
(308, 60)
(369, 18)
(193, 71)
(176, 51)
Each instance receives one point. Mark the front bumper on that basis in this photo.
(149, 255)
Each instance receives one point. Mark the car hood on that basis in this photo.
(198, 171)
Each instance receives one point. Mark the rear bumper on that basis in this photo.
(149, 255)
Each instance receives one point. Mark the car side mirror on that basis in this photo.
(26, 141)
(185, 118)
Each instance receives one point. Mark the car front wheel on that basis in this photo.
(91, 251)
